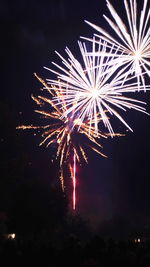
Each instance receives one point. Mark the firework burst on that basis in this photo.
(97, 86)
(63, 131)
(133, 38)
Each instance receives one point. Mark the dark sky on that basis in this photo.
(30, 33)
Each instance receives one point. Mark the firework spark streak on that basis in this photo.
(134, 44)
(74, 181)
(97, 86)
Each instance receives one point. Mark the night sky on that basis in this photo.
(30, 33)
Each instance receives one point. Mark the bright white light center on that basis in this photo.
(94, 92)
(137, 55)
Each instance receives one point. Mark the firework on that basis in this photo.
(86, 94)
(96, 86)
(62, 131)
(133, 38)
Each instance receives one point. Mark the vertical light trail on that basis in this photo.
(74, 181)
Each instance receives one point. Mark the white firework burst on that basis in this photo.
(96, 87)
(134, 37)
